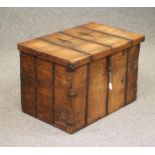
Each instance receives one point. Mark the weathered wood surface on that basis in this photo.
(72, 78)
(28, 83)
(97, 90)
(70, 98)
(118, 80)
(132, 74)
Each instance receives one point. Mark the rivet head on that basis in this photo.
(71, 67)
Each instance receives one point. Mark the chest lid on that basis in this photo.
(80, 45)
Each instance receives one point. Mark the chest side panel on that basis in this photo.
(37, 87)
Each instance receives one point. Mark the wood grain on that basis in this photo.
(132, 73)
(100, 38)
(28, 84)
(118, 79)
(44, 90)
(70, 102)
(27, 64)
(97, 90)
(72, 78)
(134, 37)
(82, 46)
(51, 52)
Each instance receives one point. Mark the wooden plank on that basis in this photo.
(97, 92)
(28, 84)
(28, 95)
(70, 98)
(132, 84)
(77, 91)
(134, 53)
(44, 70)
(44, 102)
(44, 90)
(135, 37)
(104, 39)
(27, 64)
(61, 88)
(118, 60)
(132, 74)
(118, 78)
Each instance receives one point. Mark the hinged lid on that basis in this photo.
(80, 45)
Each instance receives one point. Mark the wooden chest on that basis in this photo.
(74, 77)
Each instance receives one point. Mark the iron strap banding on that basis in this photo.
(130, 40)
(87, 95)
(35, 84)
(126, 78)
(86, 39)
(64, 46)
(53, 91)
(90, 56)
(108, 80)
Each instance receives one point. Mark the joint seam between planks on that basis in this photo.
(108, 34)
(108, 79)
(76, 50)
(87, 94)
(109, 46)
(35, 80)
(53, 89)
(126, 78)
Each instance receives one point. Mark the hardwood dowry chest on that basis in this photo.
(74, 77)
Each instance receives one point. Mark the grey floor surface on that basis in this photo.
(133, 125)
